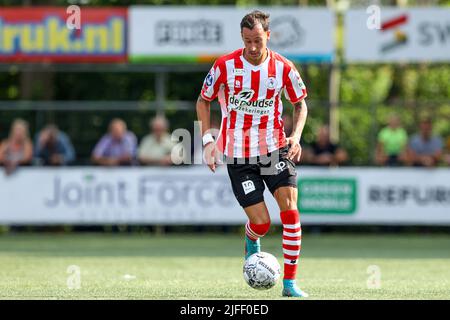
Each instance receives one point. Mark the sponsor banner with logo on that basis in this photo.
(203, 33)
(399, 35)
(41, 34)
(131, 195)
(196, 196)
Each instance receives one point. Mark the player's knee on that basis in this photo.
(286, 198)
(288, 204)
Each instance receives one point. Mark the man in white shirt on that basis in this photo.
(156, 147)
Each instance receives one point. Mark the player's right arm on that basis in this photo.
(204, 115)
(214, 79)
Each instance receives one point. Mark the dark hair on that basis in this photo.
(253, 18)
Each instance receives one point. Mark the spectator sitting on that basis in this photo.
(323, 152)
(17, 149)
(424, 150)
(156, 147)
(53, 147)
(392, 141)
(118, 147)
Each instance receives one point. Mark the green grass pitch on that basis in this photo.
(34, 266)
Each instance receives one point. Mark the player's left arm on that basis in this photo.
(299, 120)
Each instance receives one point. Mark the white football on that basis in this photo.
(261, 271)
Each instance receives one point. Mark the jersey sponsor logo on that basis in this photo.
(238, 72)
(248, 186)
(241, 102)
(245, 95)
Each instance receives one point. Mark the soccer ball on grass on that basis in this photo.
(261, 271)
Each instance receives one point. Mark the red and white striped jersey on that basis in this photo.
(250, 99)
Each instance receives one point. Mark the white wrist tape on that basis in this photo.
(207, 138)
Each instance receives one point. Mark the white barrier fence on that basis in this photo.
(193, 195)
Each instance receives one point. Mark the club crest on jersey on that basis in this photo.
(271, 83)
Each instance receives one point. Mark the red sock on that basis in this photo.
(256, 231)
(292, 240)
